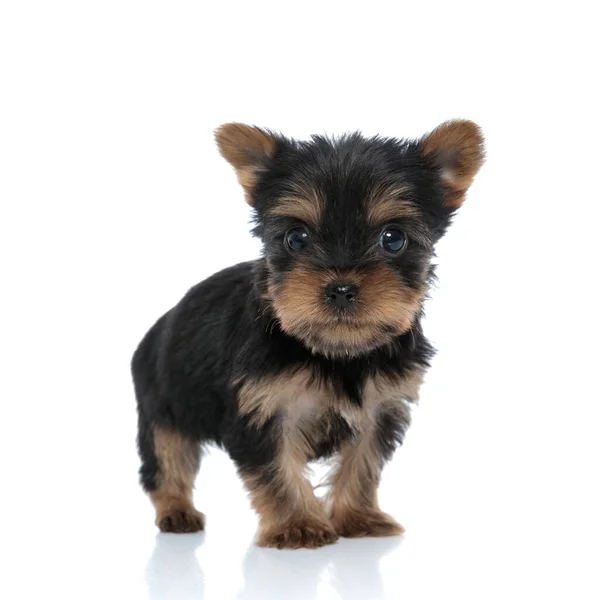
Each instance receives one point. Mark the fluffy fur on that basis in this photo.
(265, 360)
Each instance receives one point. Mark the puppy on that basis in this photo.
(314, 350)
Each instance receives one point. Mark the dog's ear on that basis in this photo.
(457, 151)
(247, 149)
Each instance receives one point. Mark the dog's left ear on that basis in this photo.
(247, 149)
(457, 150)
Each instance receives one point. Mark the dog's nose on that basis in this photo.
(341, 295)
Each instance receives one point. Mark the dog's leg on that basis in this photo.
(291, 516)
(352, 499)
(178, 460)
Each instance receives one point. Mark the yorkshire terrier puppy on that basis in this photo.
(314, 350)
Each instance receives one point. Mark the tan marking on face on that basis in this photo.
(305, 209)
(384, 300)
(389, 204)
(300, 295)
(178, 460)
(383, 309)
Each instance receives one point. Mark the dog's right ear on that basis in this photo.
(247, 149)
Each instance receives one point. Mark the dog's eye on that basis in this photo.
(392, 240)
(296, 239)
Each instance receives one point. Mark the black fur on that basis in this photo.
(225, 329)
(184, 367)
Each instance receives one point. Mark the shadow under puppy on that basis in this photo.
(314, 350)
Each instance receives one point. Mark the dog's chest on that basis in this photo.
(318, 404)
(315, 408)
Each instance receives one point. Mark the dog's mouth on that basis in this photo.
(343, 319)
(342, 336)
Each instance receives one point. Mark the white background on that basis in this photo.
(115, 201)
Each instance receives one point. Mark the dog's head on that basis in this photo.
(349, 225)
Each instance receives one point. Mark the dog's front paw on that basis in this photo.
(181, 521)
(373, 523)
(305, 534)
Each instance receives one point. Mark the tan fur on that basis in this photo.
(389, 204)
(382, 390)
(306, 209)
(178, 460)
(286, 503)
(245, 148)
(384, 308)
(264, 398)
(247, 179)
(352, 499)
(302, 401)
(458, 149)
(291, 516)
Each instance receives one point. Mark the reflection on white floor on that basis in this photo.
(173, 570)
(349, 568)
